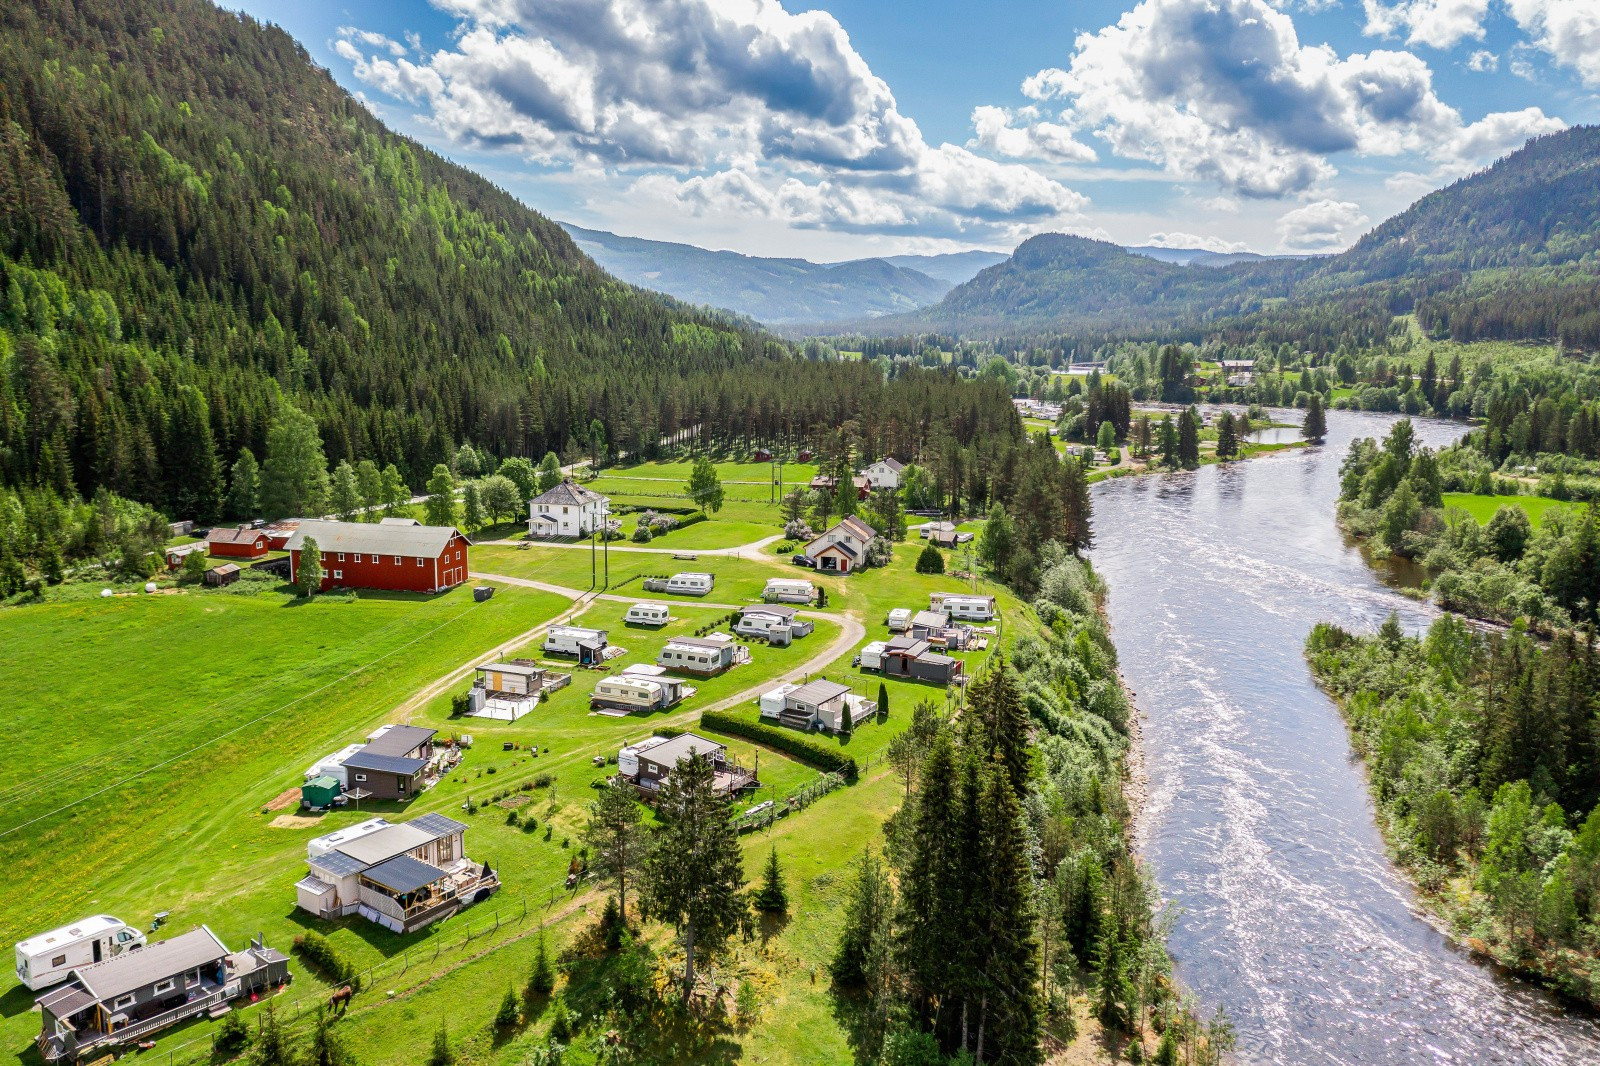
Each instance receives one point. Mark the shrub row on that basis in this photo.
(822, 756)
(324, 957)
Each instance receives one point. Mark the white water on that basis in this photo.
(1257, 826)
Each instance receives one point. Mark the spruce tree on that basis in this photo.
(244, 487)
(541, 979)
(868, 925)
(1227, 437)
(996, 714)
(271, 1046)
(924, 936)
(883, 702)
(1189, 438)
(194, 475)
(1008, 1008)
(506, 1018)
(327, 1048)
(931, 560)
(1167, 441)
(615, 837)
(1315, 428)
(442, 1054)
(693, 877)
(772, 897)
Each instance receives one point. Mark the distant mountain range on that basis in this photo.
(1512, 252)
(781, 291)
(784, 292)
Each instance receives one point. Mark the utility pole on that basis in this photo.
(605, 525)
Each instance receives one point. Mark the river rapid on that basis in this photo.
(1257, 826)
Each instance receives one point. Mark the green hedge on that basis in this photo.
(823, 756)
(320, 953)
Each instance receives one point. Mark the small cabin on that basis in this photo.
(176, 556)
(588, 646)
(690, 584)
(222, 576)
(237, 543)
(648, 614)
(646, 765)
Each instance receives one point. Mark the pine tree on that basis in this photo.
(1007, 1026)
(693, 877)
(244, 486)
(1315, 428)
(327, 1049)
(271, 1046)
(560, 1021)
(541, 979)
(924, 935)
(1189, 438)
(442, 1054)
(506, 1018)
(309, 576)
(931, 560)
(883, 702)
(1167, 441)
(772, 896)
(996, 714)
(441, 502)
(194, 476)
(1227, 437)
(847, 722)
(294, 479)
(615, 837)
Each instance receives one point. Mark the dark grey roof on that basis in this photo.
(935, 658)
(403, 874)
(676, 750)
(427, 542)
(66, 1001)
(930, 620)
(569, 493)
(136, 969)
(338, 864)
(400, 740)
(383, 764)
(893, 464)
(437, 825)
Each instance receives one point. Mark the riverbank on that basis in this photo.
(1505, 874)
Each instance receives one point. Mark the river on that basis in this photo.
(1257, 826)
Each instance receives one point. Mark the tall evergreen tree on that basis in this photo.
(472, 513)
(694, 874)
(772, 897)
(1189, 438)
(1227, 437)
(1315, 428)
(244, 487)
(615, 838)
(194, 476)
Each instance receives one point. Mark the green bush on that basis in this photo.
(818, 754)
(319, 953)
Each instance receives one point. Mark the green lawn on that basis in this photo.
(121, 686)
(1483, 507)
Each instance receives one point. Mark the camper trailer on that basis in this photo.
(585, 645)
(648, 614)
(788, 590)
(899, 619)
(637, 692)
(690, 584)
(46, 959)
(962, 606)
(872, 655)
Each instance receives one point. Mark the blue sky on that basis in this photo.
(851, 128)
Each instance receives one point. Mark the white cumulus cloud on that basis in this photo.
(1569, 30)
(1436, 23)
(1321, 226)
(719, 104)
(1180, 239)
(1483, 61)
(1224, 90)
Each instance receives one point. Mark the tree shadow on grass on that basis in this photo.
(862, 1026)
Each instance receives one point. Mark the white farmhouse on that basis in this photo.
(884, 474)
(568, 510)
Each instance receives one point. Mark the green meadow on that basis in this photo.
(1483, 508)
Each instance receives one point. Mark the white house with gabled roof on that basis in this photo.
(567, 510)
(884, 474)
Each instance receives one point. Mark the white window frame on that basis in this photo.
(361, 777)
(169, 985)
(341, 557)
(338, 575)
(122, 1002)
(397, 560)
(421, 561)
(358, 557)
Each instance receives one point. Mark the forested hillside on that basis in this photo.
(1512, 252)
(196, 223)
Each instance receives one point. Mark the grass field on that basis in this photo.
(1483, 507)
(164, 724)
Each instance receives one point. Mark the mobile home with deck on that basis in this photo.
(586, 645)
(970, 608)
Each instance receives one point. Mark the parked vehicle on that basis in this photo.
(46, 959)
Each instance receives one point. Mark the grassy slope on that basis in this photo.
(1483, 507)
(221, 862)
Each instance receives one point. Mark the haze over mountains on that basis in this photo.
(781, 292)
(1510, 252)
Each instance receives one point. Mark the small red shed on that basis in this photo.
(237, 543)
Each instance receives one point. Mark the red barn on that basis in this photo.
(403, 558)
(278, 533)
(237, 543)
